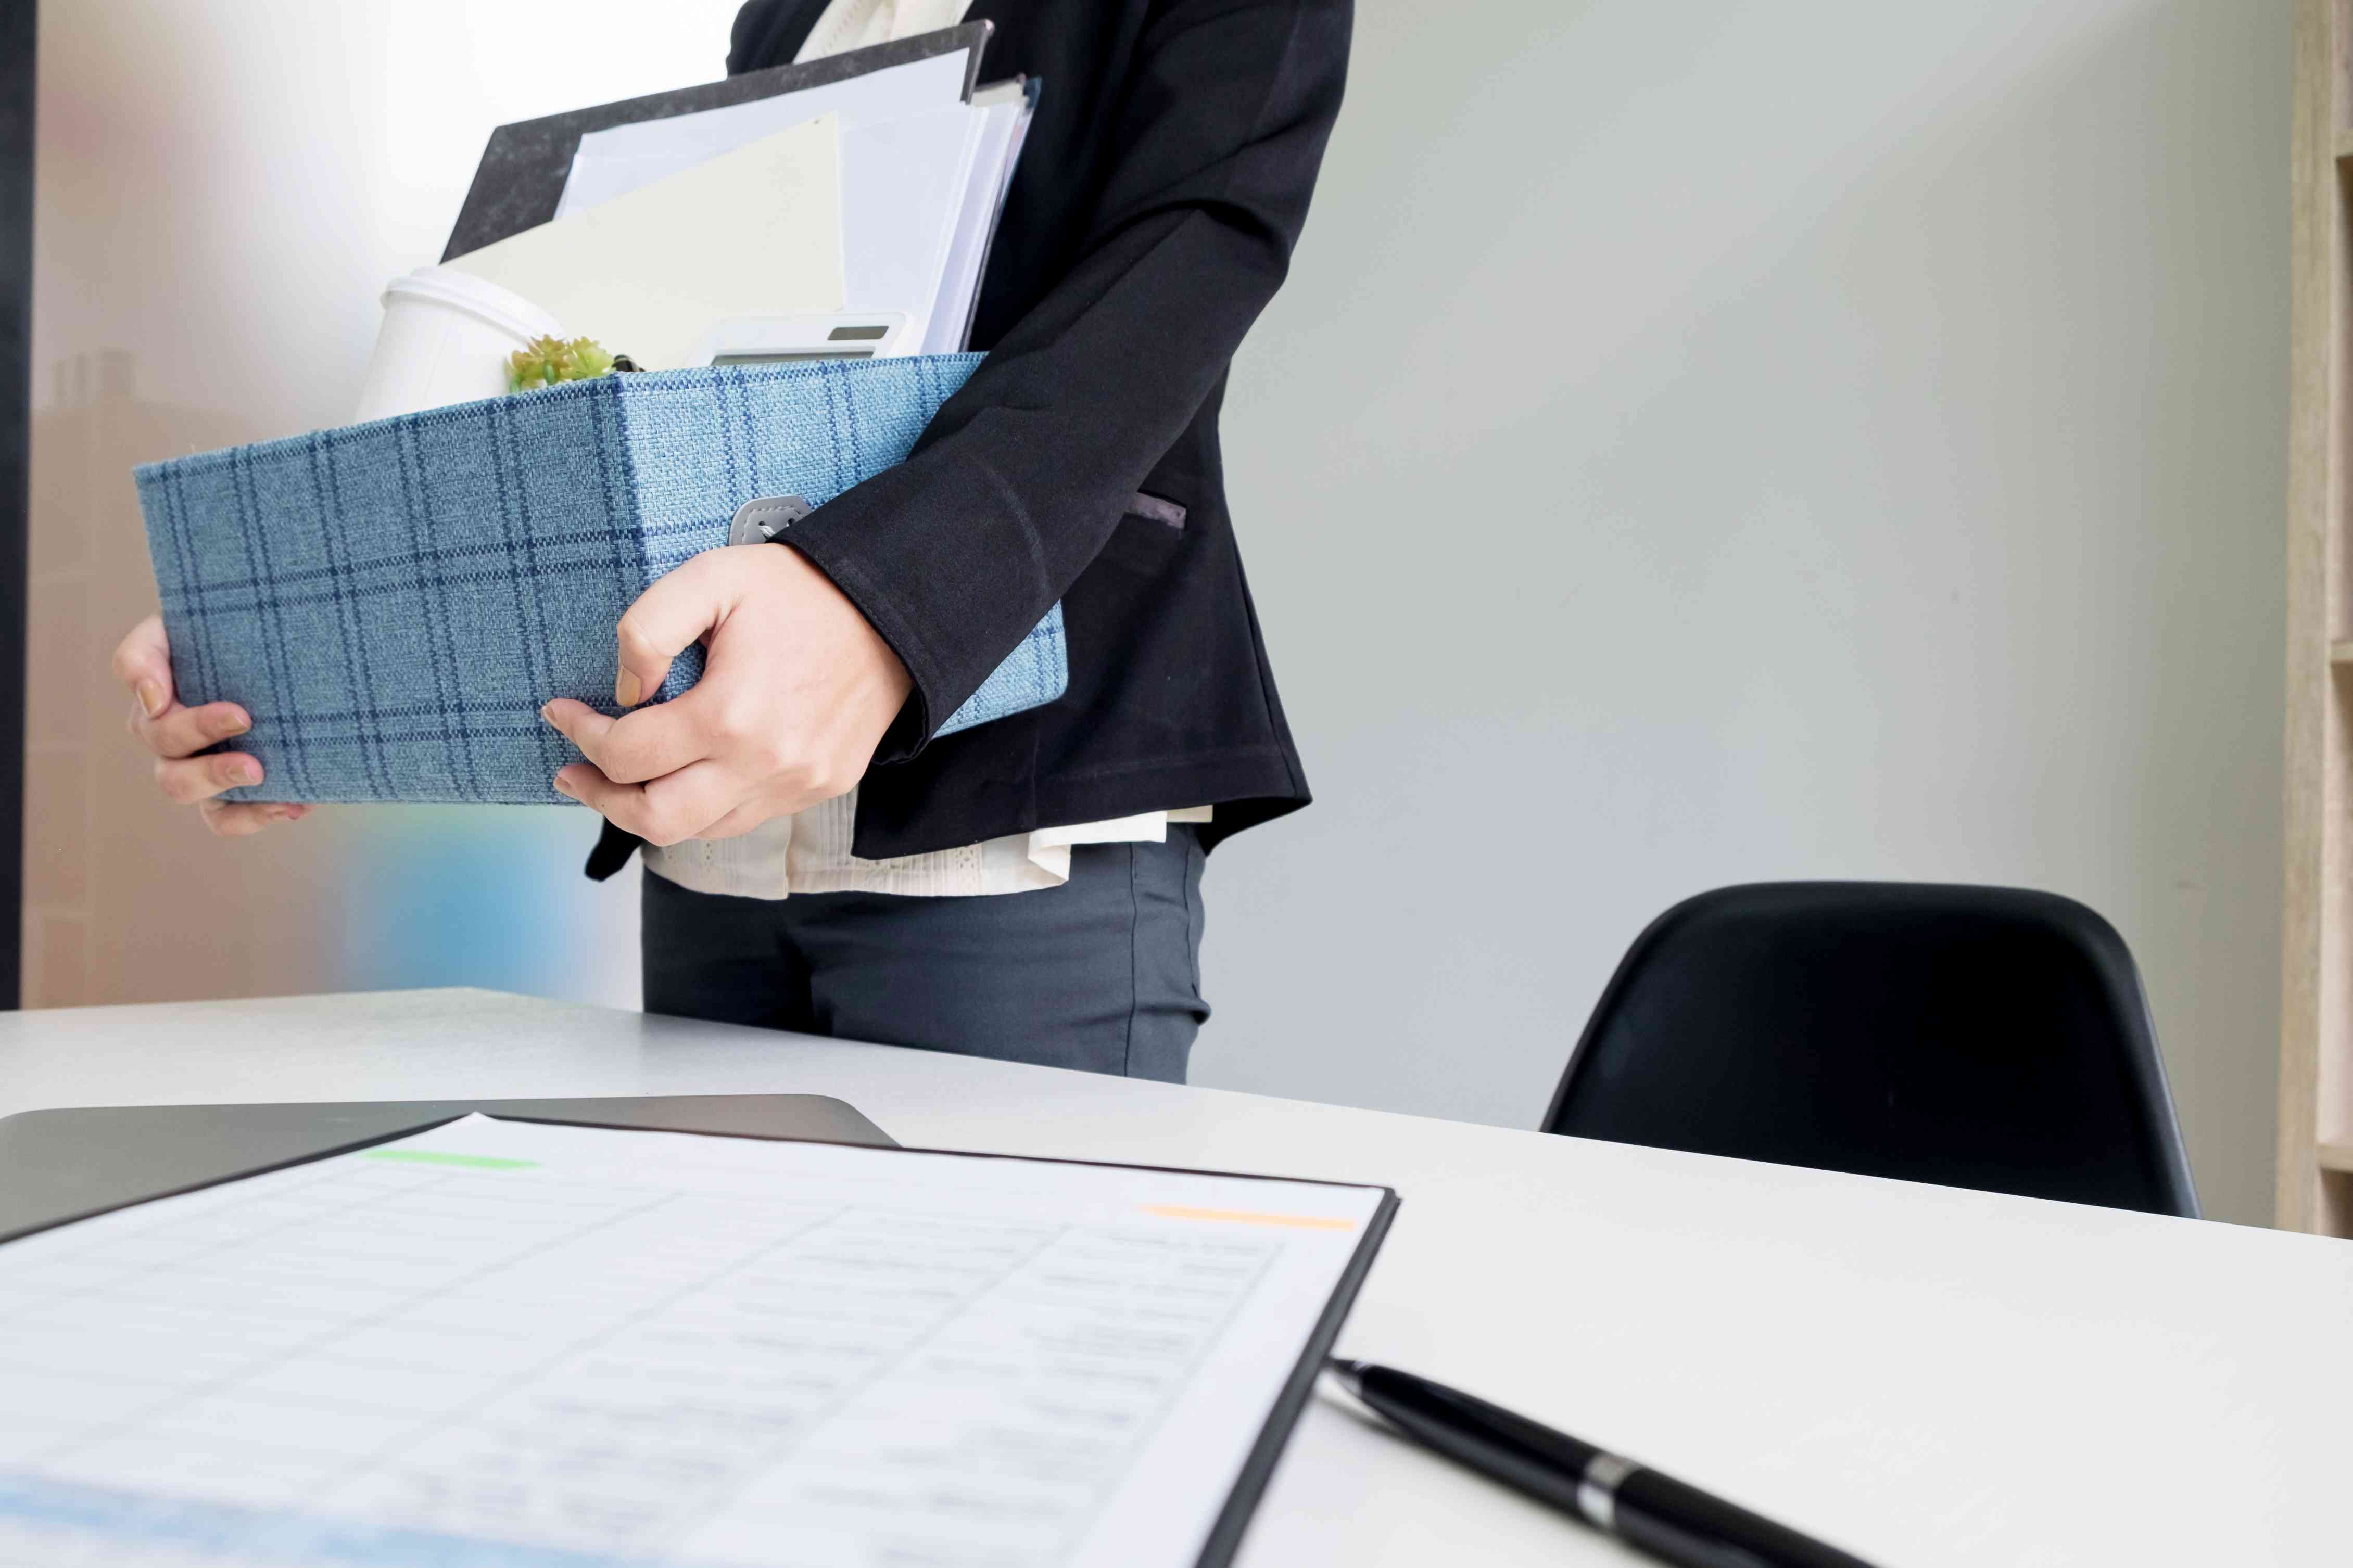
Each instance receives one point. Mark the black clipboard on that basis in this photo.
(519, 181)
(1248, 1487)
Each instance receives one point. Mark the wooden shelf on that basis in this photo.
(2315, 1078)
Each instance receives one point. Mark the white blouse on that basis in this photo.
(809, 852)
(854, 23)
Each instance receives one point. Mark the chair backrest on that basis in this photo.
(1986, 1038)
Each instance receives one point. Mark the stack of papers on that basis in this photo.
(753, 232)
(668, 227)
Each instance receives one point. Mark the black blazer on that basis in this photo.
(1162, 184)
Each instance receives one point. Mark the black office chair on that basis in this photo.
(1986, 1038)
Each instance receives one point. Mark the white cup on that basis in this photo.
(444, 339)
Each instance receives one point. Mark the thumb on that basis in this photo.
(672, 613)
(142, 661)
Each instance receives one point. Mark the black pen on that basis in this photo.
(1636, 1504)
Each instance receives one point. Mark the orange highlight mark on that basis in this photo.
(1247, 1217)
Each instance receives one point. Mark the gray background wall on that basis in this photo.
(1699, 442)
(1708, 443)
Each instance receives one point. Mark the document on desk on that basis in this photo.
(503, 1344)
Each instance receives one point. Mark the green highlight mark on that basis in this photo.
(432, 1157)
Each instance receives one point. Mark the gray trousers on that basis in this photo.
(1103, 972)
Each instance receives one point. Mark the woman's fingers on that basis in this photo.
(622, 805)
(668, 617)
(184, 731)
(201, 778)
(235, 818)
(142, 661)
(637, 746)
(672, 808)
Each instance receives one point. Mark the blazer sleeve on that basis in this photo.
(1018, 481)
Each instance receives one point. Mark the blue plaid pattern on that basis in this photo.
(393, 602)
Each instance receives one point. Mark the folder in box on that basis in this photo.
(521, 179)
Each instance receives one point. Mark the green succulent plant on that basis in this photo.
(548, 360)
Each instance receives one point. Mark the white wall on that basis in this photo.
(1817, 439)
(1699, 443)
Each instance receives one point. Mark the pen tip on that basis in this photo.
(1350, 1372)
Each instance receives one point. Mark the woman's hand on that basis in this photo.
(174, 733)
(794, 696)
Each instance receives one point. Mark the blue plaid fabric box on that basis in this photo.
(393, 602)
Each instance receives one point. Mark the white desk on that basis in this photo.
(1927, 1376)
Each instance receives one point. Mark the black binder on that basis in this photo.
(519, 181)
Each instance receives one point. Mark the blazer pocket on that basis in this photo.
(1152, 530)
(1158, 509)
